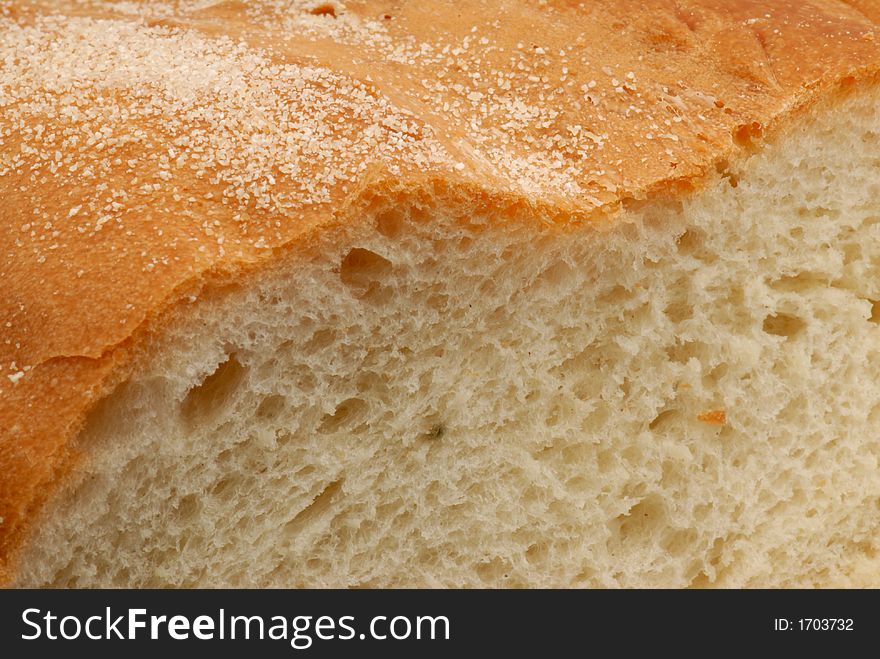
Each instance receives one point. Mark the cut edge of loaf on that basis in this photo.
(682, 395)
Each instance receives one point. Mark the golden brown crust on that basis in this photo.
(146, 147)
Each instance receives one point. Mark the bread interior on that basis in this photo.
(685, 395)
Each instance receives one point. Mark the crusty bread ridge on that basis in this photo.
(160, 158)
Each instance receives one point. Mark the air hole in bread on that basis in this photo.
(559, 274)
(390, 223)
(103, 415)
(362, 270)
(800, 283)
(875, 311)
(536, 553)
(225, 488)
(690, 241)
(133, 397)
(715, 375)
(187, 508)
(701, 580)
(346, 414)
(682, 353)
(679, 310)
(558, 411)
(677, 542)
(436, 431)
(642, 521)
(319, 505)
(711, 568)
(784, 325)
(206, 401)
(663, 420)
(270, 407)
(615, 296)
(320, 340)
(439, 302)
(583, 577)
(492, 570)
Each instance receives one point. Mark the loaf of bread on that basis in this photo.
(435, 293)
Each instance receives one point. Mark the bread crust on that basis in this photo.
(205, 140)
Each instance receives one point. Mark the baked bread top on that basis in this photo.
(150, 150)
